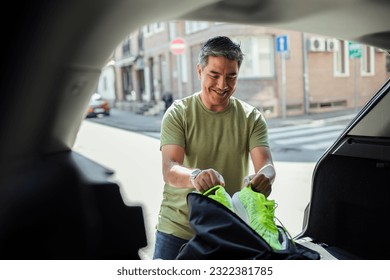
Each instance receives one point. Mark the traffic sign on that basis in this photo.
(178, 46)
(355, 50)
(281, 43)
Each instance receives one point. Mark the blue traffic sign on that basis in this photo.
(281, 43)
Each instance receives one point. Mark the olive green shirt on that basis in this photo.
(218, 140)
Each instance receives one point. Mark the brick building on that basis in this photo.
(316, 75)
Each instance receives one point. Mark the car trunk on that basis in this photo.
(350, 190)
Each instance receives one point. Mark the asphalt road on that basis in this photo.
(139, 123)
(300, 133)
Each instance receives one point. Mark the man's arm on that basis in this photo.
(174, 173)
(265, 171)
(177, 175)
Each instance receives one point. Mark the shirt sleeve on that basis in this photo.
(259, 134)
(172, 126)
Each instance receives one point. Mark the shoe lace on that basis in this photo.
(267, 214)
(285, 230)
(281, 224)
(264, 210)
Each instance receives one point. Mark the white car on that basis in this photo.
(98, 106)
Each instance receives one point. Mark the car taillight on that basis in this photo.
(105, 105)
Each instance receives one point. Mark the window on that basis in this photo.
(159, 27)
(148, 30)
(153, 28)
(333, 104)
(126, 46)
(367, 61)
(195, 26)
(341, 59)
(258, 57)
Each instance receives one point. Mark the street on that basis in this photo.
(301, 138)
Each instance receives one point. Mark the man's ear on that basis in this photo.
(199, 70)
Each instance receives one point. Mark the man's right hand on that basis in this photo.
(207, 179)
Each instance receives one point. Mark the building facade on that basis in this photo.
(314, 74)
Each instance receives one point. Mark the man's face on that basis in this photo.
(218, 82)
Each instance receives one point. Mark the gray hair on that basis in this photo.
(220, 46)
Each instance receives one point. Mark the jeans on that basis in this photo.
(167, 246)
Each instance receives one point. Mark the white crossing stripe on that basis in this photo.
(319, 146)
(302, 130)
(308, 136)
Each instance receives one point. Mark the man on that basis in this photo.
(168, 100)
(207, 140)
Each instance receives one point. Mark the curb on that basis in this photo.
(274, 123)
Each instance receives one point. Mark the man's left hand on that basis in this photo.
(262, 181)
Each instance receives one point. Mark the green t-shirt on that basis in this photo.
(218, 140)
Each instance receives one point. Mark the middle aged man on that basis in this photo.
(207, 139)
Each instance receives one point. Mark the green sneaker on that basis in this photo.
(259, 213)
(219, 194)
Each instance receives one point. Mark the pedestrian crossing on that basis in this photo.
(305, 136)
(312, 136)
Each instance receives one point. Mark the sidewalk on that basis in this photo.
(130, 121)
(134, 122)
(335, 116)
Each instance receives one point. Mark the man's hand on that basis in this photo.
(207, 179)
(262, 181)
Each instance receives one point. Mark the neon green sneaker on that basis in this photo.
(219, 194)
(259, 213)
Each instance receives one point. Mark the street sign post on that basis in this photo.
(178, 46)
(282, 47)
(355, 51)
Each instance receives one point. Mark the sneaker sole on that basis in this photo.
(239, 208)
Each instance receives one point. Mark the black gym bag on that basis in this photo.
(220, 234)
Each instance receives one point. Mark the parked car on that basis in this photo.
(56, 204)
(98, 106)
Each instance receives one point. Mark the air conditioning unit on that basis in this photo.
(380, 50)
(332, 45)
(317, 44)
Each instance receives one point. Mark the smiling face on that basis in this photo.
(218, 82)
